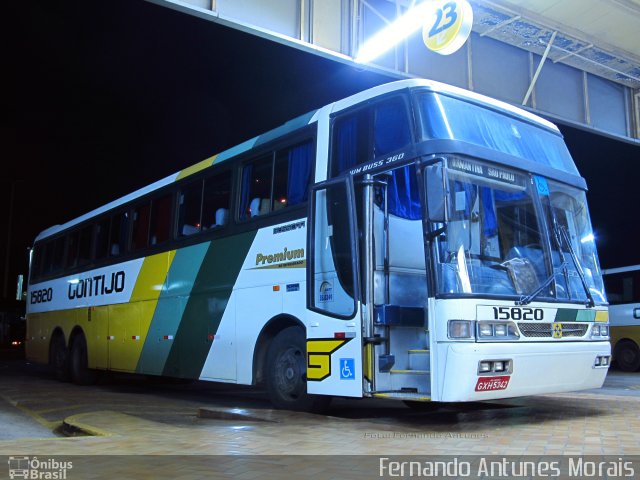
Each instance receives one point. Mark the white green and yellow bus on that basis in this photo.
(415, 241)
(623, 292)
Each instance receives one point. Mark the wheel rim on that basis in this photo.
(289, 372)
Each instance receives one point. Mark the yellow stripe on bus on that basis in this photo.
(129, 322)
(197, 167)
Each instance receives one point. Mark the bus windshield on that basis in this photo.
(455, 119)
(495, 239)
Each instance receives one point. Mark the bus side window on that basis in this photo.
(102, 239)
(189, 209)
(57, 261)
(140, 227)
(391, 128)
(84, 245)
(350, 141)
(623, 287)
(160, 223)
(256, 188)
(36, 266)
(368, 133)
(292, 175)
(72, 250)
(215, 202)
(118, 234)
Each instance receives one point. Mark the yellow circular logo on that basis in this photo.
(448, 26)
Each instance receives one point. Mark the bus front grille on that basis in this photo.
(545, 330)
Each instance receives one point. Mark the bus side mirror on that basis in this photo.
(435, 193)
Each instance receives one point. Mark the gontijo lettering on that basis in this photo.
(97, 285)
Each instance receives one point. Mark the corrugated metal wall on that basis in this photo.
(484, 64)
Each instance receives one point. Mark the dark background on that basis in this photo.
(100, 98)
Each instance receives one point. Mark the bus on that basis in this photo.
(415, 241)
(623, 292)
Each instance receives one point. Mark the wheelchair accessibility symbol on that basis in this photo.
(347, 369)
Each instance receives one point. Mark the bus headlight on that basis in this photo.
(598, 330)
(460, 329)
(497, 331)
(485, 329)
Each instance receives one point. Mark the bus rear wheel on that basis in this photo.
(627, 356)
(59, 358)
(79, 362)
(286, 374)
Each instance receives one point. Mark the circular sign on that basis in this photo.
(448, 26)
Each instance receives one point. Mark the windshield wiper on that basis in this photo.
(527, 299)
(565, 236)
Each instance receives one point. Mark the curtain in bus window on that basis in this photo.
(299, 173)
(464, 197)
(391, 129)
(404, 200)
(446, 117)
(490, 225)
(346, 145)
(245, 190)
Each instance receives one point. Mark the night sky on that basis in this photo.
(101, 98)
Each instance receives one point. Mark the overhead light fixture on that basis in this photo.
(446, 26)
(394, 33)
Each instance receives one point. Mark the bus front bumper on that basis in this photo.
(535, 369)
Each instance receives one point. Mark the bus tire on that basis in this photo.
(286, 374)
(59, 358)
(79, 362)
(627, 356)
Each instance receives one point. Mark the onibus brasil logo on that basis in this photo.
(49, 469)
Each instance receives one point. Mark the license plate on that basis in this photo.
(486, 384)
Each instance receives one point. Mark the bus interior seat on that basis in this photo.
(115, 250)
(189, 230)
(265, 206)
(222, 216)
(254, 207)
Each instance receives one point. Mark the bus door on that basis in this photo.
(334, 324)
(396, 339)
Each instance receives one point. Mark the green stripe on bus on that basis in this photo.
(170, 308)
(575, 315)
(206, 305)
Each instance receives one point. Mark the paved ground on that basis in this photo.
(137, 416)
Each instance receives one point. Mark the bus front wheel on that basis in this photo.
(627, 356)
(287, 373)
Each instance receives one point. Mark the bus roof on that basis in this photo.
(302, 121)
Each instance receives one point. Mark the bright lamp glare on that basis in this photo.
(587, 238)
(394, 33)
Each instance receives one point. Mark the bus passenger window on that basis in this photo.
(350, 141)
(72, 250)
(256, 188)
(292, 175)
(215, 203)
(118, 234)
(102, 239)
(160, 225)
(84, 245)
(57, 262)
(140, 227)
(391, 129)
(189, 209)
(47, 258)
